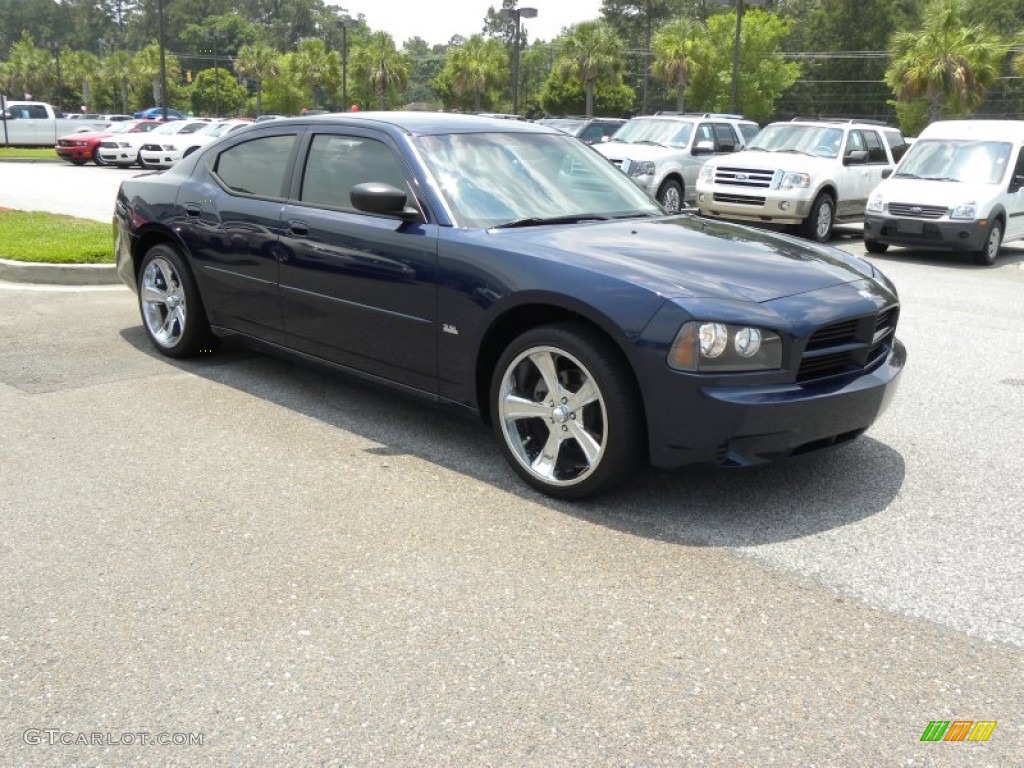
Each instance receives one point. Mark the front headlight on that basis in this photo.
(710, 347)
(876, 204)
(965, 211)
(641, 168)
(793, 180)
(707, 173)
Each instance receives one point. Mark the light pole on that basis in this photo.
(345, 23)
(163, 58)
(55, 47)
(518, 14)
(215, 34)
(734, 85)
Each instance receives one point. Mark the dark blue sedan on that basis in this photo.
(511, 270)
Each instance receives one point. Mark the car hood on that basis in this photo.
(620, 150)
(945, 194)
(692, 257)
(786, 161)
(85, 135)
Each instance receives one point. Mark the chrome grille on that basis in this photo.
(751, 178)
(917, 211)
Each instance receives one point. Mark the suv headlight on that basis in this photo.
(641, 168)
(792, 180)
(876, 204)
(710, 347)
(707, 173)
(965, 211)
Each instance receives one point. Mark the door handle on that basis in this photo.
(298, 227)
(193, 209)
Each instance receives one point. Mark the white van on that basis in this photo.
(960, 188)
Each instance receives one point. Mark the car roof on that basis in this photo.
(426, 123)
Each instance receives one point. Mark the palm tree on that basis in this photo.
(946, 62)
(116, 69)
(28, 66)
(381, 66)
(256, 62)
(589, 52)
(678, 50)
(315, 68)
(146, 65)
(474, 67)
(83, 68)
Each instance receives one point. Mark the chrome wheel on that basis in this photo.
(671, 197)
(163, 301)
(553, 416)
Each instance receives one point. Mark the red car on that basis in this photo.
(80, 148)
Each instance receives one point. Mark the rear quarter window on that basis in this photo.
(257, 167)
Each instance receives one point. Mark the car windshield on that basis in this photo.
(492, 179)
(978, 162)
(120, 127)
(808, 139)
(667, 133)
(566, 125)
(216, 129)
(167, 128)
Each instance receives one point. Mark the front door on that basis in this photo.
(359, 289)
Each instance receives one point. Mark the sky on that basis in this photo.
(436, 21)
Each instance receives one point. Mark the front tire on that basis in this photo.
(670, 195)
(986, 257)
(566, 411)
(170, 304)
(874, 246)
(97, 159)
(818, 224)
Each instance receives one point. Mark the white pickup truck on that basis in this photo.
(37, 124)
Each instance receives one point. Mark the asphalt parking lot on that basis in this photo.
(308, 571)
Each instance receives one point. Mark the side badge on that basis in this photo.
(449, 328)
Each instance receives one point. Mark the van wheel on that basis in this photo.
(986, 257)
(818, 224)
(874, 246)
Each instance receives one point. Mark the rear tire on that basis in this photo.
(171, 307)
(566, 411)
(986, 257)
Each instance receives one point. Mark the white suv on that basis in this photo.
(808, 173)
(663, 153)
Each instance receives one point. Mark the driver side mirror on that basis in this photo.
(703, 148)
(8, 115)
(856, 157)
(383, 199)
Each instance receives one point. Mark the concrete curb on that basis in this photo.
(58, 274)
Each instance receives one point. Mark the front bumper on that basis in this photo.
(74, 153)
(769, 207)
(745, 426)
(943, 234)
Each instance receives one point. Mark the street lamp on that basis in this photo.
(163, 58)
(734, 85)
(55, 47)
(215, 34)
(345, 23)
(518, 14)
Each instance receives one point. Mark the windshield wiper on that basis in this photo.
(637, 215)
(797, 152)
(537, 221)
(906, 176)
(651, 143)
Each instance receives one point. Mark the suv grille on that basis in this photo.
(750, 178)
(917, 211)
(849, 346)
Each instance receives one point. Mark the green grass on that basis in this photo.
(28, 153)
(54, 238)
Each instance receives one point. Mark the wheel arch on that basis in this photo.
(152, 236)
(521, 318)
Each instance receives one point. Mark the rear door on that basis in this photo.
(359, 289)
(233, 227)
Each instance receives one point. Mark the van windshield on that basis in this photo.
(977, 162)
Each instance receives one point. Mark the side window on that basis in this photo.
(749, 131)
(705, 134)
(37, 112)
(726, 138)
(592, 133)
(256, 167)
(1018, 170)
(854, 142)
(876, 152)
(337, 163)
(897, 145)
